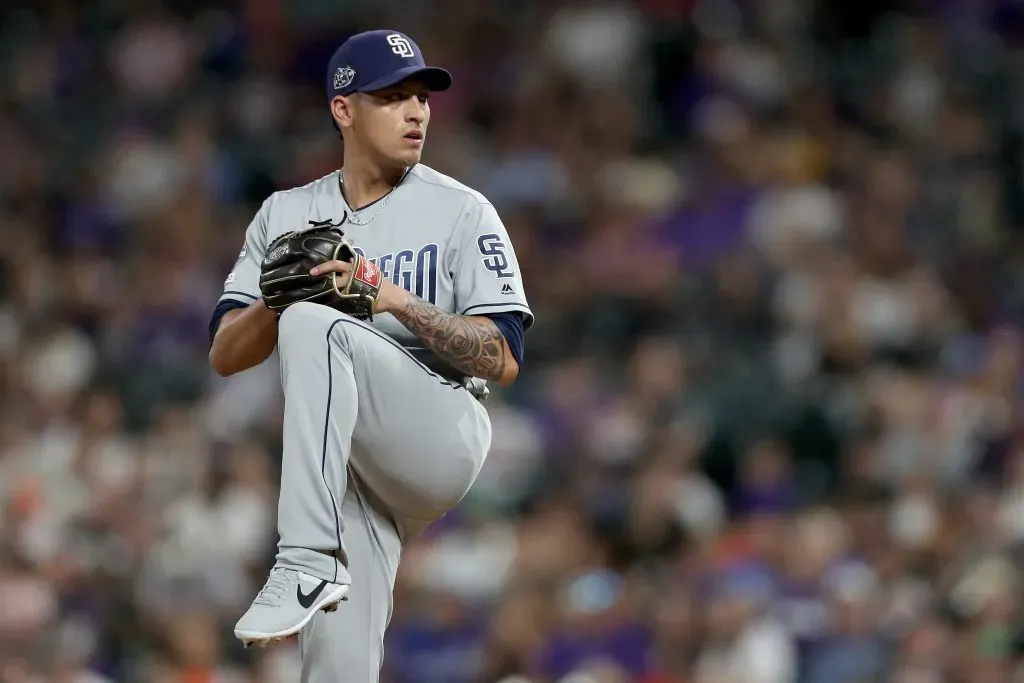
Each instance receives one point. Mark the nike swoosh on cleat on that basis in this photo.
(307, 600)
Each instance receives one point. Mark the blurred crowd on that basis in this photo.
(769, 426)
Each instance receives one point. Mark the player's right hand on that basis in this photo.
(342, 268)
(389, 297)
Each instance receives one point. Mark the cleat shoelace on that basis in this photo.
(275, 589)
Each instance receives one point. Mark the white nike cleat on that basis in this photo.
(286, 603)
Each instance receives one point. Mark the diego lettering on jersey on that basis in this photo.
(412, 271)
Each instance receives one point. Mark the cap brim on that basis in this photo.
(433, 77)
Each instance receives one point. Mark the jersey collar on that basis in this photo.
(337, 185)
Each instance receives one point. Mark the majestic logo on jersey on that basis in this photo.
(413, 271)
(400, 45)
(241, 254)
(343, 77)
(495, 254)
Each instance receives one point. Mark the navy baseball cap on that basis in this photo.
(377, 59)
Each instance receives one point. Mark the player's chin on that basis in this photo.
(412, 146)
(408, 156)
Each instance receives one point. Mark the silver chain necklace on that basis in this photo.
(352, 215)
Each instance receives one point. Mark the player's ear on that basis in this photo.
(341, 111)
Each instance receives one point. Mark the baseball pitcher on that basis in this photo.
(393, 294)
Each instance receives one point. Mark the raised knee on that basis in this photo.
(441, 489)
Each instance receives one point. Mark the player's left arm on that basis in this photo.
(484, 337)
(473, 344)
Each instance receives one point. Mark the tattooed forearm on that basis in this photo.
(473, 345)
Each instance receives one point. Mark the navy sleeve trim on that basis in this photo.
(511, 326)
(218, 313)
(498, 305)
(245, 294)
(510, 307)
